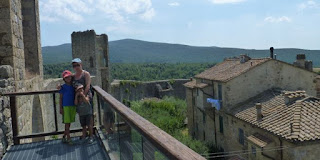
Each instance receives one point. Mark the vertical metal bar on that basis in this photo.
(142, 147)
(55, 111)
(13, 109)
(99, 110)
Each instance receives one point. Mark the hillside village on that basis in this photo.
(255, 108)
(261, 108)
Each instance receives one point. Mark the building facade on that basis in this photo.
(220, 98)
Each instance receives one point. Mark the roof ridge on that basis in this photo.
(295, 125)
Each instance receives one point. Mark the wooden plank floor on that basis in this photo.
(55, 149)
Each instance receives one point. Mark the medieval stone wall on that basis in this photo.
(92, 49)
(134, 90)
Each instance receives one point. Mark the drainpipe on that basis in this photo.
(214, 119)
(281, 151)
(193, 102)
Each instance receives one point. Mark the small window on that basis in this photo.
(193, 101)
(221, 124)
(253, 151)
(241, 136)
(204, 135)
(204, 117)
(91, 62)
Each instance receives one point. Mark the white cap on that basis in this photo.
(76, 60)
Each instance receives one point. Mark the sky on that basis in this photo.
(250, 24)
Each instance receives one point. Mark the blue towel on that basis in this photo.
(215, 103)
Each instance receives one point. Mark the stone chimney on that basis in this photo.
(290, 97)
(259, 111)
(244, 58)
(271, 52)
(303, 63)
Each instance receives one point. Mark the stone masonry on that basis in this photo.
(92, 49)
(126, 91)
(20, 67)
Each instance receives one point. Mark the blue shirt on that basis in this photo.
(68, 94)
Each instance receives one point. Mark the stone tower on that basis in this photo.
(21, 66)
(93, 50)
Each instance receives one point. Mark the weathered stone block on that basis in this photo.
(5, 51)
(4, 3)
(6, 71)
(6, 61)
(3, 83)
(4, 13)
(5, 26)
(5, 39)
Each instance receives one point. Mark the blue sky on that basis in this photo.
(254, 24)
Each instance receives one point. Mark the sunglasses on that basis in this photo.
(76, 65)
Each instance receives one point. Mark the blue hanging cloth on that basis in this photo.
(215, 103)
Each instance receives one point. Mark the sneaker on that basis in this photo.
(64, 139)
(90, 140)
(69, 141)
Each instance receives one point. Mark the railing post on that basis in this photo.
(55, 111)
(99, 110)
(14, 120)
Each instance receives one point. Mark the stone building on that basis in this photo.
(244, 105)
(93, 50)
(126, 91)
(21, 66)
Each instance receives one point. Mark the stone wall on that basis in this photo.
(136, 90)
(6, 85)
(272, 74)
(21, 66)
(31, 38)
(93, 50)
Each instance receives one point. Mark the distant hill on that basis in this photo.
(136, 51)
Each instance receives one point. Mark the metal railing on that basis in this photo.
(133, 136)
(14, 119)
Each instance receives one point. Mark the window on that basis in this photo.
(253, 150)
(193, 101)
(221, 124)
(91, 62)
(197, 127)
(204, 135)
(219, 91)
(241, 136)
(204, 117)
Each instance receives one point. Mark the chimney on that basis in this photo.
(244, 58)
(290, 97)
(271, 52)
(259, 111)
(302, 63)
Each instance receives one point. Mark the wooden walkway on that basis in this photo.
(55, 149)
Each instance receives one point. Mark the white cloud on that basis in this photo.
(226, 1)
(174, 4)
(124, 29)
(308, 5)
(271, 19)
(75, 10)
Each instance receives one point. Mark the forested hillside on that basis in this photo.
(136, 51)
(141, 72)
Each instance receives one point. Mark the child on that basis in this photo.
(67, 106)
(85, 112)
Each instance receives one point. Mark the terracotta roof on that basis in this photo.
(297, 121)
(259, 140)
(193, 84)
(230, 69)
